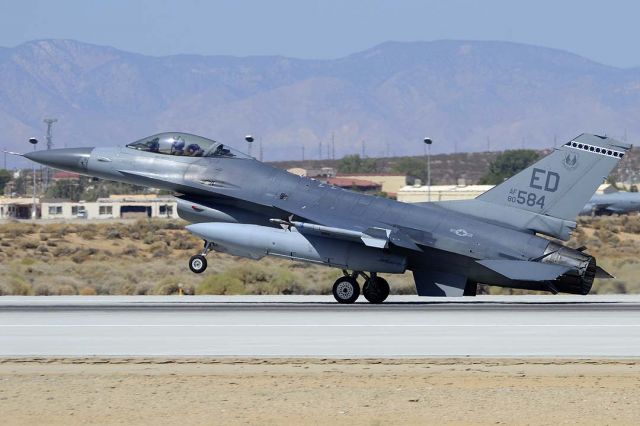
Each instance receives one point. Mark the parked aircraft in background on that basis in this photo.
(241, 206)
(612, 203)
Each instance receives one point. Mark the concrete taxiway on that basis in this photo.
(316, 326)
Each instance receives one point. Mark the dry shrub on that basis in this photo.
(185, 243)
(114, 233)
(82, 255)
(149, 238)
(28, 245)
(222, 283)
(15, 230)
(88, 291)
(43, 290)
(143, 289)
(130, 250)
(14, 286)
(159, 249)
(88, 234)
(65, 251)
(67, 290)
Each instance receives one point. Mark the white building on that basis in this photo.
(114, 207)
(420, 193)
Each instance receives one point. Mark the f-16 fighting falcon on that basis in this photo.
(612, 203)
(244, 207)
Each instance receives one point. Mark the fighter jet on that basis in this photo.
(247, 208)
(612, 203)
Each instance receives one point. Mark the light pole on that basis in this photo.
(428, 143)
(34, 208)
(249, 140)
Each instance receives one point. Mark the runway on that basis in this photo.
(316, 326)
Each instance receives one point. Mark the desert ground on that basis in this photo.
(316, 391)
(150, 257)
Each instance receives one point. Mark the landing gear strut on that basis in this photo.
(346, 289)
(198, 263)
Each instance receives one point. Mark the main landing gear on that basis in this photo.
(198, 263)
(347, 290)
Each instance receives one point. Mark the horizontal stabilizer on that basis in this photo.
(522, 270)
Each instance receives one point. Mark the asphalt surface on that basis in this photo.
(316, 326)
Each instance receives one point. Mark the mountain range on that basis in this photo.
(465, 95)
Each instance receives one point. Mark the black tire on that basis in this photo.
(346, 290)
(198, 264)
(376, 292)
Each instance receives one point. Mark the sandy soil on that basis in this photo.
(368, 392)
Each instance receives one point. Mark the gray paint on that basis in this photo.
(440, 242)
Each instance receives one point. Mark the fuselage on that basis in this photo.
(234, 188)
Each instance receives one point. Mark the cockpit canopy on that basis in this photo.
(184, 144)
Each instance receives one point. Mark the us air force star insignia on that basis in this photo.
(570, 161)
(461, 232)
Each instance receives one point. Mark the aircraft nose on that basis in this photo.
(69, 159)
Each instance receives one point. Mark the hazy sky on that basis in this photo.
(606, 31)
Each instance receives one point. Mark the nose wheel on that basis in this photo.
(198, 262)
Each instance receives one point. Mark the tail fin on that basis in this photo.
(561, 183)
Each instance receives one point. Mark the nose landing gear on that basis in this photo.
(198, 262)
(347, 290)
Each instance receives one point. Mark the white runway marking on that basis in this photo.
(312, 325)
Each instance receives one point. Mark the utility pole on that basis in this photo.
(302, 152)
(488, 144)
(320, 150)
(46, 178)
(362, 155)
(333, 146)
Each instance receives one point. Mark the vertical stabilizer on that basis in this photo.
(561, 183)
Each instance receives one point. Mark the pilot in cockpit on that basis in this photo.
(194, 150)
(177, 147)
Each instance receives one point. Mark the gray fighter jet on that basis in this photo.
(612, 203)
(241, 206)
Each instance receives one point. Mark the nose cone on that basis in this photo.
(69, 159)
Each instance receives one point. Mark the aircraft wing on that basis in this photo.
(372, 237)
(523, 270)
